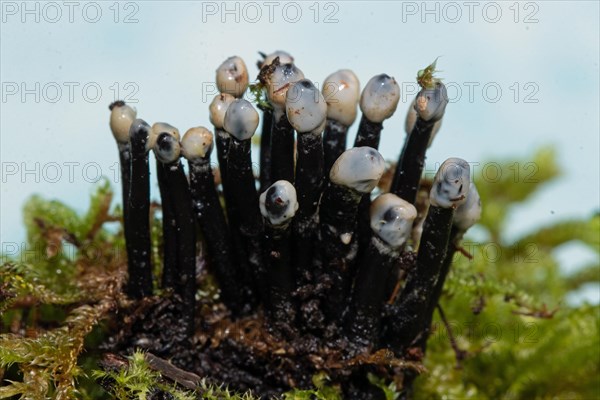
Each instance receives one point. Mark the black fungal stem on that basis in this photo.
(167, 151)
(369, 133)
(408, 322)
(364, 316)
(245, 200)
(216, 234)
(125, 164)
(265, 149)
(278, 205)
(210, 216)
(139, 245)
(309, 186)
(334, 144)
(169, 229)
(411, 162)
(338, 220)
(282, 150)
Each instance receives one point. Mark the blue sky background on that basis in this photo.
(166, 57)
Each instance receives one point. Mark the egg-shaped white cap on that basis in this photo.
(431, 103)
(392, 219)
(241, 119)
(197, 143)
(278, 81)
(167, 148)
(232, 76)
(358, 168)
(217, 109)
(161, 127)
(305, 107)
(380, 98)
(451, 184)
(121, 118)
(278, 204)
(341, 91)
(469, 213)
(411, 120)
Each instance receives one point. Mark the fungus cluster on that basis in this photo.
(313, 249)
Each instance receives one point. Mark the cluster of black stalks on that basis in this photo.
(306, 247)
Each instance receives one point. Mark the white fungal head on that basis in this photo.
(140, 129)
(392, 219)
(232, 76)
(241, 119)
(411, 120)
(167, 148)
(342, 92)
(305, 107)
(284, 58)
(121, 118)
(451, 184)
(161, 127)
(278, 80)
(380, 98)
(431, 103)
(469, 213)
(358, 168)
(218, 107)
(278, 204)
(197, 143)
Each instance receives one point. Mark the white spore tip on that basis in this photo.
(157, 129)
(469, 213)
(358, 168)
(232, 76)
(451, 184)
(380, 98)
(431, 103)
(305, 107)
(197, 143)
(278, 204)
(167, 148)
(241, 119)
(341, 91)
(411, 120)
(392, 219)
(121, 118)
(278, 82)
(218, 107)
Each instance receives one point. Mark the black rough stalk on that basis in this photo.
(185, 284)
(169, 229)
(309, 186)
(139, 244)
(222, 142)
(338, 217)
(282, 151)
(213, 225)
(265, 150)
(411, 162)
(363, 322)
(439, 285)
(280, 275)
(408, 322)
(369, 133)
(245, 201)
(125, 165)
(334, 143)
